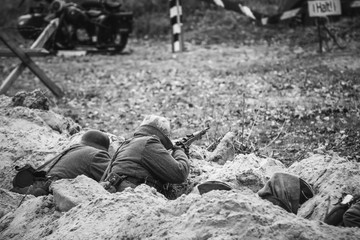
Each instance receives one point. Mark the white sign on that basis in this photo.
(321, 8)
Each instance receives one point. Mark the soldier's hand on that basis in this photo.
(182, 147)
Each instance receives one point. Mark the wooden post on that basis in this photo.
(46, 34)
(35, 52)
(39, 43)
(32, 66)
(318, 22)
(323, 8)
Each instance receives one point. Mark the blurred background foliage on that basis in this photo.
(151, 17)
(204, 22)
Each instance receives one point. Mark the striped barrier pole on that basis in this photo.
(355, 4)
(177, 38)
(237, 7)
(264, 20)
(280, 17)
(232, 6)
(299, 10)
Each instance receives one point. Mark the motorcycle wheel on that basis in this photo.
(62, 38)
(120, 41)
(115, 42)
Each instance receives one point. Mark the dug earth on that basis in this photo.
(81, 209)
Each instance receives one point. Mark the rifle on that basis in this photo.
(190, 138)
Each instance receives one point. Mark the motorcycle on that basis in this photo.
(89, 23)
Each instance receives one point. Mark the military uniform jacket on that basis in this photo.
(82, 159)
(144, 156)
(352, 216)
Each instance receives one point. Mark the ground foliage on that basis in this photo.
(268, 84)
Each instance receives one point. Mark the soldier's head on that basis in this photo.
(160, 124)
(96, 139)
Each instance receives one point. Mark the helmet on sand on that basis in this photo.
(96, 139)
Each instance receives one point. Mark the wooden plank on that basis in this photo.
(32, 66)
(39, 43)
(36, 52)
(71, 53)
(46, 34)
(290, 14)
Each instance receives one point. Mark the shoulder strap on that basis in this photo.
(108, 168)
(53, 161)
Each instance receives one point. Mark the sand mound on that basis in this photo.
(81, 209)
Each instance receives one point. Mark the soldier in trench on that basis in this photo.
(90, 157)
(149, 157)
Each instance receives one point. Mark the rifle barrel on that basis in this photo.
(195, 136)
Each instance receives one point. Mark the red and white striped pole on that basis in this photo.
(177, 36)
